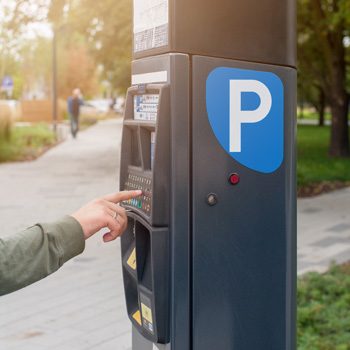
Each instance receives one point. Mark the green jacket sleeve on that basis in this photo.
(35, 253)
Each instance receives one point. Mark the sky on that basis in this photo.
(38, 29)
(34, 29)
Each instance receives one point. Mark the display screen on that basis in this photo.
(146, 107)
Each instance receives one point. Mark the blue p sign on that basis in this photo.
(246, 112)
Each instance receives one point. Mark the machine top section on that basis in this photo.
(249, 30)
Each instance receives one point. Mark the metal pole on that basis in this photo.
(54, 80)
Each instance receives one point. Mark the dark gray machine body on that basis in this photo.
(243, 247)
(219, 276)
(173, 270)
(249, 30)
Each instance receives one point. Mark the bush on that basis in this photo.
(323, 310)
(26, 143)
(6, 120)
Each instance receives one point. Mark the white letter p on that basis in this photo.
(239, 117)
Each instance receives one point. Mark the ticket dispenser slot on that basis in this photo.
(145, 271)
(145, 244)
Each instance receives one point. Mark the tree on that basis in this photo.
(35, 69)
(324, 26)
(76, 69)
(311, 92)
(106, 27)
(14, 19)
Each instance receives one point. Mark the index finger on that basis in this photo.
(122, 196)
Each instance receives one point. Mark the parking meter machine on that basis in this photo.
(209, 255)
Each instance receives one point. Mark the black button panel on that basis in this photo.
(143, 183)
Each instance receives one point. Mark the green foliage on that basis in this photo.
(14, 19)
(35, 65)
(6, 119)
(314, 165)
(312, 72)
(56, 11)
(105, 26)
(323, 30)
(26, 143)
(76, 68)
(96, 34)
(323, 310)
(309, 115)
(109, 24)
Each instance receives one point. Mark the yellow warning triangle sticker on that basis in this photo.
(132, 259)
(137, 317)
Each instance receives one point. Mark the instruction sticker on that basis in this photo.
(146, 311)
(146, 107)
(151, 28)
(147, 317)
(132, 259)
(137, 317)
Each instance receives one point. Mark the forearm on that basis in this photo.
(37, 252)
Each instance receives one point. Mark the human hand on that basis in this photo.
(105, 212)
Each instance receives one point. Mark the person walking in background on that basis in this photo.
(73, 104)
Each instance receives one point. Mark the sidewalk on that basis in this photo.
(81, 306)
(323, 231)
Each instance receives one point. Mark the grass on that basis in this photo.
(29, 142)
(309, 114)
(323, 310)
(26, 143)
(314, 164)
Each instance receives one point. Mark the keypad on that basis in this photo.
(138, 182)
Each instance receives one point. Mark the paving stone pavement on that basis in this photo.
(81, 307)
(323, 231)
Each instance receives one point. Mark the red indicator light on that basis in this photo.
(234, 179)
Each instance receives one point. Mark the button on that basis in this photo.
(212, 199)
(234, 179)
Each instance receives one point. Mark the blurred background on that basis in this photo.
(48, 48)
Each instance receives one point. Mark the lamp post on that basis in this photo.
(54, 80)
